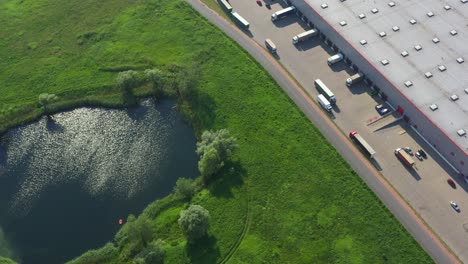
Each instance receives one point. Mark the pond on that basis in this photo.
(66, 180)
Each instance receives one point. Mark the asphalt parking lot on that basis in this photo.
(424, 188)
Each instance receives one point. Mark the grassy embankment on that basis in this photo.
(290, 197)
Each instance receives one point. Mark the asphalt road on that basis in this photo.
(400, 209)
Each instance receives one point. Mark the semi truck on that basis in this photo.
(404, 157)
(354, 79)
(323, 89)
(304, 36)
(364, 146)
(240, 20)
(283, 13)
(225, 4)
(334, 59)
(324, 102)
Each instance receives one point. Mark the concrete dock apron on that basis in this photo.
(400, 209)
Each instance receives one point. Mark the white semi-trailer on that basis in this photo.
(283, 13)
(304, 36)
(324, 102)
(335, 58)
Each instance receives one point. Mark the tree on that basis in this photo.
(221, 140)
(155, 77)
(194, 222)
(153, 254)
(185, 188)
(127, 80)
(210, 163)
(215, 148)
(45, 99)
(140, 231)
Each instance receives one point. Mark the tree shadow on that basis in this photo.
(52, 126)
(205, 107)
(231, 176)
(203, 250)
(138, 112)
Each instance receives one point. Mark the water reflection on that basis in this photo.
(87, 160)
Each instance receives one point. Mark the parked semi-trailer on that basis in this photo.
(366, 148)
(283, 13)
(324, 102)
(335, 58)
(354, 79)
(240, 20)
(323, 89)
(304, 36)
(225, 4)
(404, 157)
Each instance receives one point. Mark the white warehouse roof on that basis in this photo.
(437, 71)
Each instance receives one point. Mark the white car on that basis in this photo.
(408, 150)
(455, 206)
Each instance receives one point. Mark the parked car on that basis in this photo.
(455, 206)
(408, 150)
(259, 2)
(382, 110)
(451, 183)
(418, 155)
(423, 153)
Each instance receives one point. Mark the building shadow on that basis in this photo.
(431, 154)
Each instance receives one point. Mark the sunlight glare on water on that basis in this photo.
(104, 151)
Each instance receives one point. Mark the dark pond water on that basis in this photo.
(65, 181)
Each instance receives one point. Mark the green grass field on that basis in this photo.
(288, 196)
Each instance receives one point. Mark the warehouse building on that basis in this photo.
(414, 53)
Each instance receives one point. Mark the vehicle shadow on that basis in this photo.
(247, 32)
(358, 88)
(336, 108)
(339, 66)
(284, 22)
(413, 171)
(376, 164)
(276, 55)
(307, 44)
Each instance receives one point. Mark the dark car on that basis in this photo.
(259, 2)
(423, 153)
(418, 155)
(451, 183)
(382, 110)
